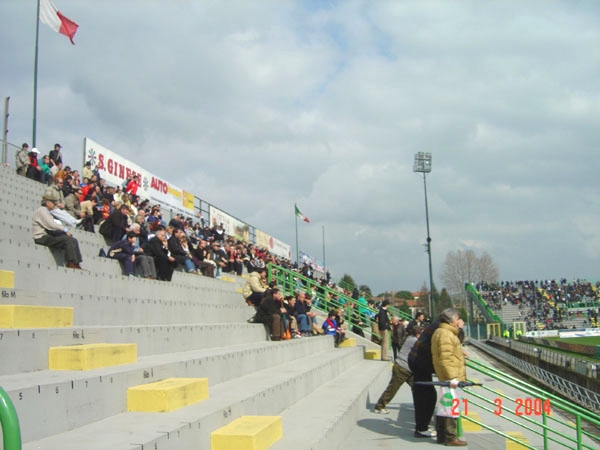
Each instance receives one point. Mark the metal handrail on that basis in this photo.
(11, 431)
(549, 433)
(286, 280)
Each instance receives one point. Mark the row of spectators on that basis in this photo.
(545, 304)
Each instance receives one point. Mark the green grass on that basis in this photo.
(589, 340)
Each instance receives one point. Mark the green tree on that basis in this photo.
(366, 289)
(346, 282)
(444, 301)
(463, 314)
(404, 308)
(406, 295)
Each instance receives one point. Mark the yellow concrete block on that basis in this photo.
(167, 395)
(7, 279)
(372, 354)
(24, 316)
(228, 279)
(470, 426)
(91, 356)
(248, 433)
(348, 342)
(512, 445)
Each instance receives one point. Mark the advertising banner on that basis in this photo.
(274, 246)
(115, 169)
(232, 226)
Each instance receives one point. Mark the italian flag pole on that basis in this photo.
(48, 14)
(298, 215)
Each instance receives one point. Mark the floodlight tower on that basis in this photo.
(423, 165)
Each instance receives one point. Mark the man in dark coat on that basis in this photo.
(383, 322)
(123, 251)
(158, 248)
(269, 312)
(118, 221)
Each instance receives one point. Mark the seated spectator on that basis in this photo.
(58, 212)
(54, 169)
(176, 222)
(269, 312)
(132, 187)
(218, 256)
(123, 251)
(255, 287)
(158, 248)
(300, 311)
(22, 160)
(144, 263)
(290, 322)
(235, 259)
(34, 170)
(254, 262)
(205, 265)
(47, 232)
(178, 252)
(63, 173)
(45, 175)
(87, 171)
(81, 211)
(312, 316)
(330, 327)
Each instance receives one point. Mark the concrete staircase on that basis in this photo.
(192, 328)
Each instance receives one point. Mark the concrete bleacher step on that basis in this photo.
(235, 390)
(91, 356)
(69, 395)
(248, 432)
(156, 302)
(167, 395)
(331, 412)
(150, 340)
(32, 316)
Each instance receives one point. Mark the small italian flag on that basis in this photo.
(56, 20)
(300, 215)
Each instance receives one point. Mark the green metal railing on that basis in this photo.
(356, 313)
(519, 413)
(480, 302)
(11, 431)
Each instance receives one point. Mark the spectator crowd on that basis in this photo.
(546, 304)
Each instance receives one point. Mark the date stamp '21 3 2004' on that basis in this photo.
(523, 407)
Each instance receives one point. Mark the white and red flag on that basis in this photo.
(56, 20)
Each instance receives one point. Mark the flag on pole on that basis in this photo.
(300, 215)
(55, 20)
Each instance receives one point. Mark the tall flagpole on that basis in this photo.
(297, 249)
(324, 264)
(35, 72)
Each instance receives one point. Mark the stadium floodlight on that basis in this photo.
(422, 165)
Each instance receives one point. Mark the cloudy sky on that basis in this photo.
(257, 105)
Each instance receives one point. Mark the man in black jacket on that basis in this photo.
(383, 321)
(123, 251)
(158, 248)
(269, 312)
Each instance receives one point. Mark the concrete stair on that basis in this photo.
(192, 328)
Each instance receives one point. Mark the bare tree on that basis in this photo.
(487, 270)
(462, 267)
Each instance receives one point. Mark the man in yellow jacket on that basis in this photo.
(449, 365)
